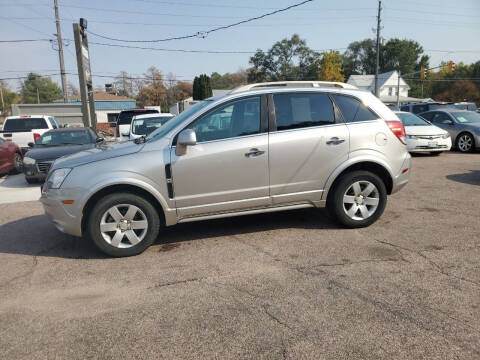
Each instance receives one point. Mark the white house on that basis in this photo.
(387, 84)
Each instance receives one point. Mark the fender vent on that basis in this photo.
(168, 176)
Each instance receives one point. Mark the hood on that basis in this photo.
(424, 130)
(98, 153)
(54, 152)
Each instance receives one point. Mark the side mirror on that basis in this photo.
(99, 140)
(449, 122)
(31, 144)
(186, 138)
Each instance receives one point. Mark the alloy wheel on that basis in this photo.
(123, 226)
(465, 143)
(361, 200)
(17, 163)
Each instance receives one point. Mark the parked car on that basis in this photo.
(423, 136)
(257, 149)
(470, 106)
(143, 125)
(417, 108)
(10, 157)
(124, 119)
(463, 126)
(27, 128)
(53, 145)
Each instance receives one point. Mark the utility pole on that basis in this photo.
(38, 97)
(377, 65)
(84, 74)
(60, 54)
(398, 88)
(1, 95)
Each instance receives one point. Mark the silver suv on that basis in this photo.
(260, 148)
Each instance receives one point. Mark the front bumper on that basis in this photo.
(38, 171)
(429, 144)
(67, 218)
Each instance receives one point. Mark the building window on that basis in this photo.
(390, 91)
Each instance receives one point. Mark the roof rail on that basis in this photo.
(277, 84)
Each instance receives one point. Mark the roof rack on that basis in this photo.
(280, 84)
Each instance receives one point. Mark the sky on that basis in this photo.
(447, 30)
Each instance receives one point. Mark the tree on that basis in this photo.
(9, 98)
(288, 59)
(202, 88)
(124, 84)
(48, 91)
(228, 80)
(331, 67)
(154, 92)
(72, 90)
(359, 58)
(460, 91)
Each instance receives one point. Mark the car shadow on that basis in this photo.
(37, 236)
(472, 177)
(16, 181)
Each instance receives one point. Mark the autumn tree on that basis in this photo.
(331, 67)
(124, 84)
(154, 92)
(9, 97)
(228, 80)
(460, 91)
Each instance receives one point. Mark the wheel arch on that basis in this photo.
(366, 165)
(127, 188)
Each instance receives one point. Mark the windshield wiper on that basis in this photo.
(140, 140)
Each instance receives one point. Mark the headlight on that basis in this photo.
(445, 136)
(411, 136)
(28, 161)
(57, 177)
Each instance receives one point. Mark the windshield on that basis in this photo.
(24, 124)
(64, 138)
(125, 117)
(466, 117)
(408, 119)
(177, 120)
(148, 125)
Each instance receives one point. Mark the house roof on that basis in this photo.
(102, 95)
(368, 81)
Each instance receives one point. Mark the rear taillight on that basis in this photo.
(397, 128)
(35, 137)
(117, 131)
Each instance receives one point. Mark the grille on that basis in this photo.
(429, 147)
(430, 137)
(43, 167)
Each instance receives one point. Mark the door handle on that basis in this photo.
(335, 141)
(254, 153)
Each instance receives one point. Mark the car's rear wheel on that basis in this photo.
(17, 163)
(465, 142)
(123, 224)
(358, 199)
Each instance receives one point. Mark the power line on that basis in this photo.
(23, 40)
(206, 33)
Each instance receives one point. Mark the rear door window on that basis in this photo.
(353, 110)
(416, 109)
(25, 124)
(441, 118)
(293, 111)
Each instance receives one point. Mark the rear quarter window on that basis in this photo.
(25, 124)
(353, 110)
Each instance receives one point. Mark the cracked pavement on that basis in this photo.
(289, 285)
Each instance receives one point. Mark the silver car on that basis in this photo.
(260, 148)
(462, 125)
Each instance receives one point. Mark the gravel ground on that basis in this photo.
(289, 285)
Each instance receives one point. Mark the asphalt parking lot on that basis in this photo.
(289, 285)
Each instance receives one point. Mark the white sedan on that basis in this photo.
(423, 136)
(143, 125)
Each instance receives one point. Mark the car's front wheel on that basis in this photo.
(17, 164)
(123, 224)
(358, 199)
(465, 142)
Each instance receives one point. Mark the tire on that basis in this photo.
(17, 164)
(465, 143)
(435, 153)
(347, 202)
(120, 237)
(31, 180)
